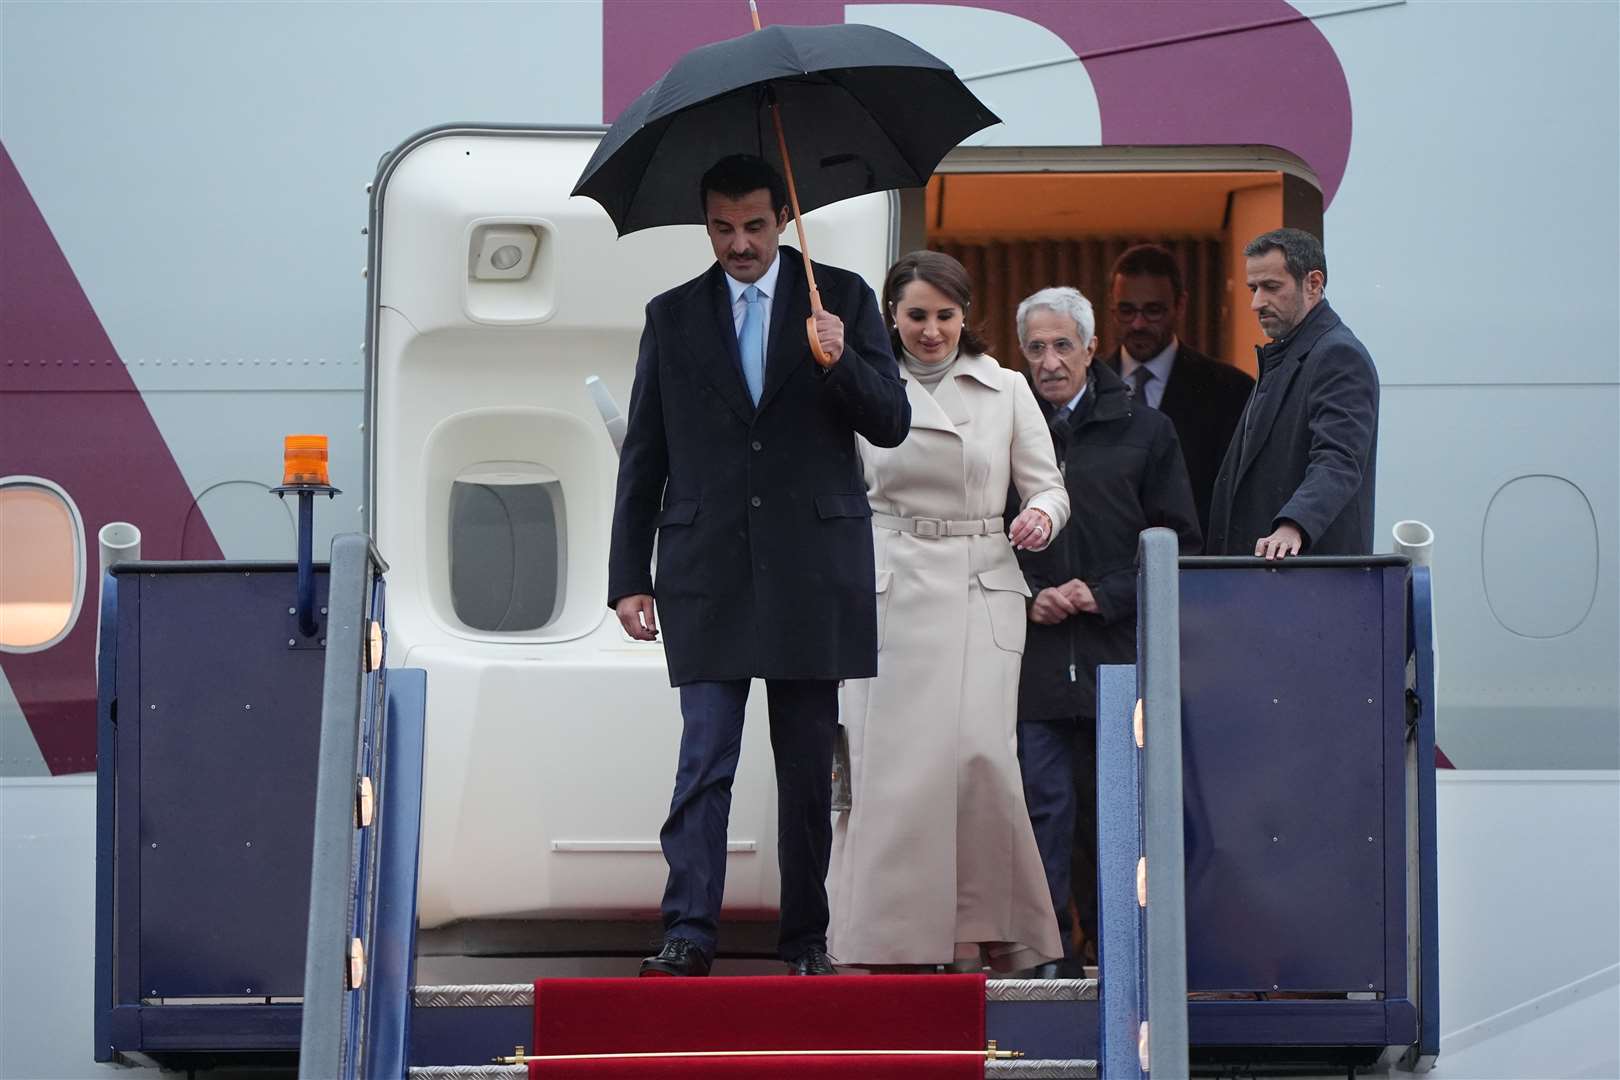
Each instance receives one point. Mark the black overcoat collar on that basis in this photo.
(1107, 398)
(1277, 374)
(712, 335)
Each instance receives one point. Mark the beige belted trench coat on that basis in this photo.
(936, 855)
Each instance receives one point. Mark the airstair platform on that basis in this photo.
(1266, 841)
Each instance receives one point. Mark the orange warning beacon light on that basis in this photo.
(304, 473)
(305, 461)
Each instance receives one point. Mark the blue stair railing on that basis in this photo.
(1319, 948)
(359, 959)
(1143, 949)
(1421, 1055)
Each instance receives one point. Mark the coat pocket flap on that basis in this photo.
(1004, 579)
(843, 506)
(884, 579)
(682, 512)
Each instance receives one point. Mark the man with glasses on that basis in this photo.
(1203, 398)
(1123, 471)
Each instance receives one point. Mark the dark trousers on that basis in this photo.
(1058, 759)
(804, 717)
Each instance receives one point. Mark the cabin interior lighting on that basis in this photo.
(502, 252)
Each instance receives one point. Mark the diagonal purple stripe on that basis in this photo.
(73, 415)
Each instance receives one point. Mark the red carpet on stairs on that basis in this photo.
(863, 1012)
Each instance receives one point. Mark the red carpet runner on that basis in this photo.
(861, 1012)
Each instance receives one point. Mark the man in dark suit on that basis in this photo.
(1122, 467)
(1298, 476)
(1203, 397)
(739, 454)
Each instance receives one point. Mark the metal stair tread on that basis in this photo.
(1027, 1069)
(480, 995)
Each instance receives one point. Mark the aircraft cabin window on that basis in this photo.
(42, 569)
(507, 547)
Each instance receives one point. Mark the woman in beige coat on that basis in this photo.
(935, 862)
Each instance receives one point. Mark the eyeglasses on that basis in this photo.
(1062, 347)
(1151, 312)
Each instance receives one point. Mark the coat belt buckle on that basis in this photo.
(929, 528)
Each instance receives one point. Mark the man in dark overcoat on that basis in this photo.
(1203, 397)
(1123, 470)
(740, 457)
(1298, 477)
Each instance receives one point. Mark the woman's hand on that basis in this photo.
(1031, 530)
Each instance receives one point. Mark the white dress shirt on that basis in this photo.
(1160, 365)
(1074, 402)
(767, 290)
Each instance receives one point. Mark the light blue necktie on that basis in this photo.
(751, 342)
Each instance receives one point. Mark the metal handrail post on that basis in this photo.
(1158, 647)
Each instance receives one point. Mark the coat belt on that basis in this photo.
(935, 528)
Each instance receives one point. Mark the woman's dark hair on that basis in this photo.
(943, 273)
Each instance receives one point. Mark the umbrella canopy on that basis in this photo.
(862, 110)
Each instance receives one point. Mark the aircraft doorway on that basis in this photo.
(1017, 230)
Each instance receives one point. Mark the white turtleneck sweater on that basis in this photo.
(930, 375)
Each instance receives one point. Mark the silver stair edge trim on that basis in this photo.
(1042, 1069)
(480, 995)
(1048, 1069)
(1040, 990)
(474, 995)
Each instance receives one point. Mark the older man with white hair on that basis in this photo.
(1123, 468)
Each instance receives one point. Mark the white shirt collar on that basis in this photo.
(766, 284)
(1074, 402)
(1160, 365)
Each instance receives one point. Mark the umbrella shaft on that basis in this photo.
(798, 220)
(793, 197)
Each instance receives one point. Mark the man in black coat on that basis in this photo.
(1203, 397)
(740, 455)
(1298, 476)
(1122, 467)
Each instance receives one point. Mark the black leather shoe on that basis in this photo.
(678, 957)
(813, 961)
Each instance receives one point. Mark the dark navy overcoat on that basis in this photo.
(764, 533)
(1306, 449)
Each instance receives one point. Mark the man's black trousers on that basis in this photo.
(804, 718)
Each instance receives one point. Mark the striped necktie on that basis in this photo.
(1139, 380)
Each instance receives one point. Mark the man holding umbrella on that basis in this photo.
(740, 457)
(740, 453)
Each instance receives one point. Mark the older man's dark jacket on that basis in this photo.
(765, 565)
(1124, 473)
(1306, 450)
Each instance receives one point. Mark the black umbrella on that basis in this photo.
(867, 111)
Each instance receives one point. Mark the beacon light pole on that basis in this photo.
(304, 473)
